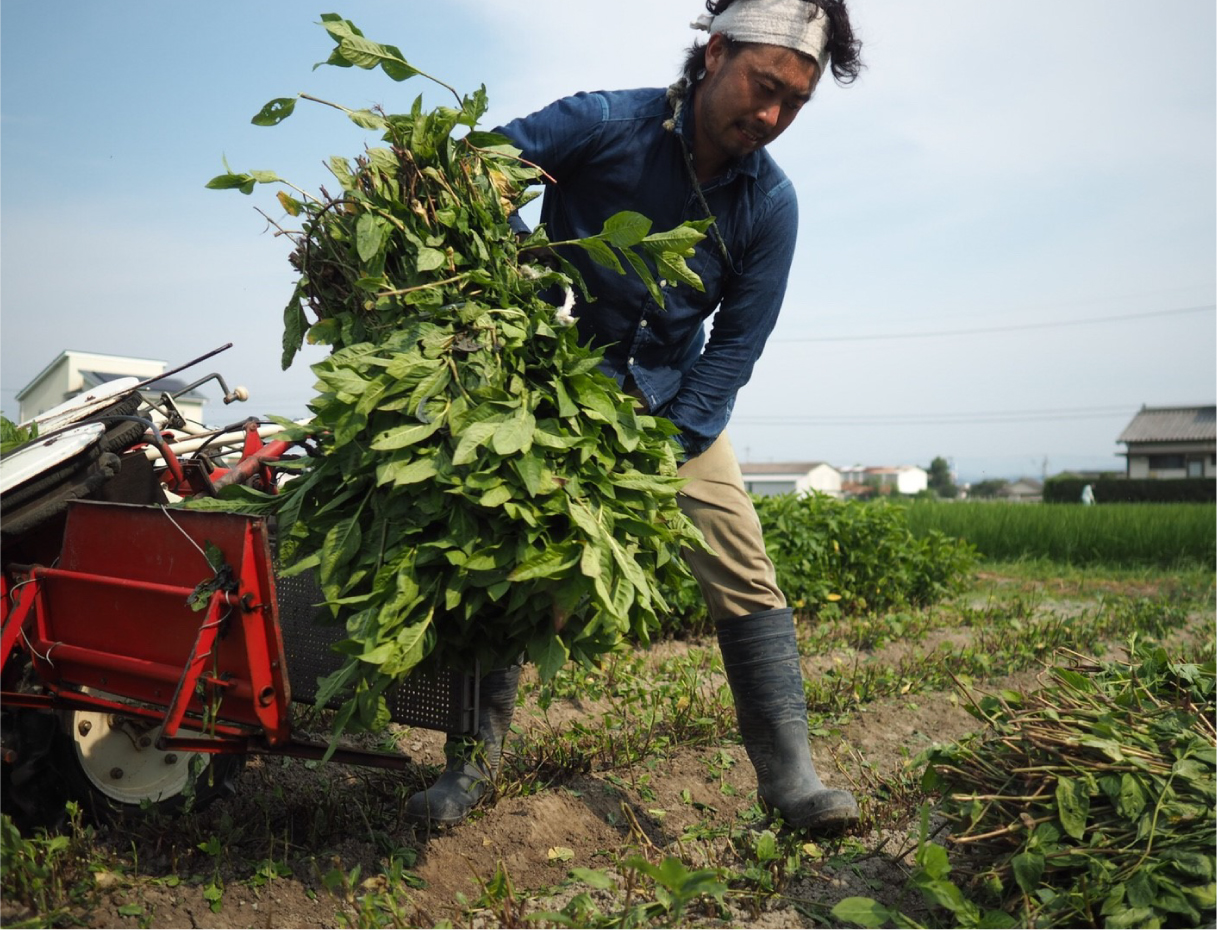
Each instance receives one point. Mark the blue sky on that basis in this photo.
(1045, 177)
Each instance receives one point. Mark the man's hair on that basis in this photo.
(844, 48)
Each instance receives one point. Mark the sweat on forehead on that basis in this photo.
(794, 24)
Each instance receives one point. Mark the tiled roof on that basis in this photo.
(1172, 424)
(779, 468)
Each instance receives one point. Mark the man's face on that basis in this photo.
(747, 99)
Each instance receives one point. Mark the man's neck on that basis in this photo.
(708, 162)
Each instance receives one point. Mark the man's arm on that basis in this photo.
(743, 322)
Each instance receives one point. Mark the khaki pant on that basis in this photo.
(739, 578)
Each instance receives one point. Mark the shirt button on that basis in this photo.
(631, 361)
(643, 323)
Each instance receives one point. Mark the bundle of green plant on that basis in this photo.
(479, 489)
(1091, 802)
(836, 557)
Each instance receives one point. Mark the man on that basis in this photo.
(692, 151)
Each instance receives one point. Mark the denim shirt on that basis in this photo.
(609, 151)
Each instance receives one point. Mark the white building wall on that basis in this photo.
(1139, 463)
(912, 481)
(822, 478)
(50, 392)
(63, 379)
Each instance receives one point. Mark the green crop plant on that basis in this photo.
(1165, 535)
(835, 557)
(1092, 801)
(477, 488)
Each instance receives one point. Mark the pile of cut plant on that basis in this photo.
(477, 488)
(1091, 801)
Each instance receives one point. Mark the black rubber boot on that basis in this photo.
(761, 657)
(473, 761)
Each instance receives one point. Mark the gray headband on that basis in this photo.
(793, 24)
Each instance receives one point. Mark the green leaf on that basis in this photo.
(594, 877)
(473, 437)
(514, 435)
(996, 920)
(366, 119)
(1072, 805)
(675, 269)
(340, 168)
(341, 544)
(626, 229)
(404, 436)
(406, 470)
(371, 231)
(430, 260)
(1140, 889)
(652, 484)
(1028, 869)
(552, 563)
(549, 654)
(584, 518)
(680, 239)
(1132, 799)
(222, 182)
(291, 206)
(602, 254)
(354, 49)
(865, 912)
(532, 471)
(1131, 918)
(933, 859)
(496, 497)
(275, 112)
(644, 272)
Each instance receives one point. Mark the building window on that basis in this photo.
(1166, 461)
(1195, 468)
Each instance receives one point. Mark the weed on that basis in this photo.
(49, 874)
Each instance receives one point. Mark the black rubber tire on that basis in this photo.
(64, 473)
(120, 435)
(21, 518)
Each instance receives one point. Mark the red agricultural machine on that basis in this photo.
(147, 648)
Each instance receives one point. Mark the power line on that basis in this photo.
(1124, 411)
(980, 330)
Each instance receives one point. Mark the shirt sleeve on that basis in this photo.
(740, 327)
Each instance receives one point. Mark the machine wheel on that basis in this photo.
(112, 765)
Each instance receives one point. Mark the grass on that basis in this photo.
(1123, 535)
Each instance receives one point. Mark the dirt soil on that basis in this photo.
(304, 845)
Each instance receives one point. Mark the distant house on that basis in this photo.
(73, 372)
(1024, 489)
(768, 478)
(902, 479)
(1171, 442)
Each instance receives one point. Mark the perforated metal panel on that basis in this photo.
(447, 701)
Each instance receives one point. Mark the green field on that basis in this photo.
(1165, 535)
